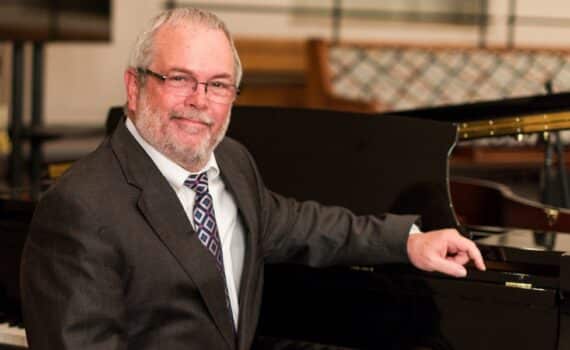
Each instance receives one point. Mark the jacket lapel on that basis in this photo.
(237, 184)
(243, 192)
(161, 208)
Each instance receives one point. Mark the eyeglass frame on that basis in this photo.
(164, 78)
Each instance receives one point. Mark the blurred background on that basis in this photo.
(62, 63)
(83, 78)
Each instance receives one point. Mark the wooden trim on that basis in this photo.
(274, 71)
(259, 55)
(445, 47)
(319, 86)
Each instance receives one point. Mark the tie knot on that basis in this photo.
(197, 182)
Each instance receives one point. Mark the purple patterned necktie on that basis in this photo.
(205, 223)
(203, 216)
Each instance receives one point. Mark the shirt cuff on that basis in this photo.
(414, 229)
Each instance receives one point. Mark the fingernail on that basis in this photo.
(462, 271)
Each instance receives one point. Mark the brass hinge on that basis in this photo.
(518, 285)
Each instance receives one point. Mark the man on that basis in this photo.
(127, 251)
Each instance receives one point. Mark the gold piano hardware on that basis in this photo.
(515, 125)
(518, 285)
(551, 215)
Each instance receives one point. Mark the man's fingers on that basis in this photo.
(472, 251)
(449, 267)
(460, 258)
(444, 251)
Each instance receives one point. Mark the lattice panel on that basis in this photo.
(411, 77)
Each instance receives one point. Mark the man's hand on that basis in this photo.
(444, 251)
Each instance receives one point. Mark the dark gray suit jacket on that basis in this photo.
(111, 261)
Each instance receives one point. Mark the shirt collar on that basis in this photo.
(174, 173)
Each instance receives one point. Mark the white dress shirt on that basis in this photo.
(230, 227)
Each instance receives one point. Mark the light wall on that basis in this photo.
(83, 80)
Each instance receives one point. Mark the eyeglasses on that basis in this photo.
(185, 85)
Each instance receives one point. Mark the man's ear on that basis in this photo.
(132, 88)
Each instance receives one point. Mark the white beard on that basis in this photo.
(190, 157)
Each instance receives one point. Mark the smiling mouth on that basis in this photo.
(191, 126)
(192, 119)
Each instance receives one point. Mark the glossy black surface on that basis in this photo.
(518, 303)
(492, 109)
(395, 307)
(353, 160)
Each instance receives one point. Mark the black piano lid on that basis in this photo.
(370, 165)
(492, 109)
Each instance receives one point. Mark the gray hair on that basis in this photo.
(141, 56)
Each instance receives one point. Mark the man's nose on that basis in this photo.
(197, 96)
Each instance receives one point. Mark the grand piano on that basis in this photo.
(398, 164)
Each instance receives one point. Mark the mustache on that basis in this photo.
(195, 116)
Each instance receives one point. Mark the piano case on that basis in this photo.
(397, 164)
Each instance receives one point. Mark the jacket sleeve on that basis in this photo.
(316, 235)
(71, 279)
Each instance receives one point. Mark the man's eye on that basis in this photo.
(179, 78)
(218, 85)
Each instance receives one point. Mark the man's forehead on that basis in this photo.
(186, 33)
(192, 47)
(194, 37)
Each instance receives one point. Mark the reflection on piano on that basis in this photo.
(479, 202)
(395, 164)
